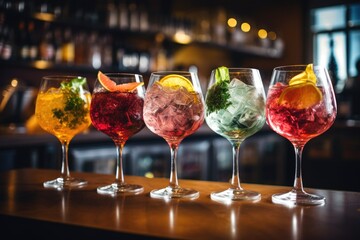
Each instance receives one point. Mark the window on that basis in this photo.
(336, 40)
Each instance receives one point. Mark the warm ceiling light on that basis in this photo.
(14, 82)
(181, 37)
(272, 35)
(48, 17)
(232, 22)
(262, 33)
(245, 27)
(41, 64)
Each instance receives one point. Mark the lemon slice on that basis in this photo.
(300, 96)
(176, 81)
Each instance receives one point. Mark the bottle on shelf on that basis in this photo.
(58, 43)
(7, 43)
(23, 42)
(46, 46)
(68, 47)
(112, 15)
(123, 16)
(134, 17)
(144, 19)
(94, 51)
(81, 48)
(220, 27)
(118, 55)
(106, 51)
(33, 40)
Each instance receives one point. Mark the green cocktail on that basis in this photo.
(235, 109)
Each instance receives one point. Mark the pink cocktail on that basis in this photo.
(297, 125)
(173, 109)
(173, 113)
(300, 106)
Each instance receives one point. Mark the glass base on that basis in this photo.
(235, 195)
(60, 183)
(169, 192)
(297, 198)
(116, 188)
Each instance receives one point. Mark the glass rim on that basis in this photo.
(62, 77)
(295, 67)
(124, 74)
(167, 72)
(241, 69)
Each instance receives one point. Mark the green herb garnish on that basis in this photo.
(74, 112)
(218, 94)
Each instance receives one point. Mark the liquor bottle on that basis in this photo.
(68, 47)
(144, 19)
(33, 40)
(46, 47)
(112, 15)
(123, 16)
(94, 51)
(23, 42)
(106, 51)
(58, 42)
(7, 43)
(81, 48)
(118, 55)
(2, 28)
(134, 17)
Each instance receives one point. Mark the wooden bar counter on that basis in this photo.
(29, 210)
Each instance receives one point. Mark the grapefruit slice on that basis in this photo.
(176, 81)
(111, 86)
(300, 96)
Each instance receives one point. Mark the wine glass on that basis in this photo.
(174, 109)
(300, 106)
(117, 110)
(62, 109)
(235, 109)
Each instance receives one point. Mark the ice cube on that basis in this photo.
(183, 97)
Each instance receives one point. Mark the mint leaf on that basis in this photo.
(218, 94)
(74, 112)
(74, 84)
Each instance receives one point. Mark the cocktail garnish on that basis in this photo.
(218, 94)
(176, 81)
(74, 112)
(307, 76)
(302, 91)
(111, 86)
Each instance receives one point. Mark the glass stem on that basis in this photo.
(119, 179)
(173, 171)
(298, 185)
(65, 173)
(235, 179)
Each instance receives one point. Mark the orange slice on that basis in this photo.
(300, 96)
(111, 86)
(176, 81)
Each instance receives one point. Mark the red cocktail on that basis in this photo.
(117, 110)
(117, 114)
